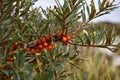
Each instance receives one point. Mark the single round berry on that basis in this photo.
(14, 46)
(28, 49)
(32, 50)
(45, 44)
(43, 39)
(64, 39)
(38, 42)
(40, 46)
(16, 43)
(47, 37)
(50, 47)
(68, 38)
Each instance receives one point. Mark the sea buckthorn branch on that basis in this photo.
(44, 42)
(102, 10)
(95, 45)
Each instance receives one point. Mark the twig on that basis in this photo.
(91, 45)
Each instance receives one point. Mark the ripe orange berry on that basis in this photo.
(68, 37)
(64, 39)
(43, 39)
(47, 37)
(50, 47)
(38, 42)
(40, 46)
(45, 44)
(32, 50)
(28, 49)
(16, 43)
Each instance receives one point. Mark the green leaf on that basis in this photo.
(102, 5)
(83, 15)
(87, 8)
(59, 6)
(93, 10)
(99, 4)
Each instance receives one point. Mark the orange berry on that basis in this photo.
(68, 37)
(14, 47)
(40, 46)
(28, 49)
(43, 39)
(32, 50)
(50, 47)
(38, 42)
(64, 39)
(47, 37)
(45, 44)
(16, 43)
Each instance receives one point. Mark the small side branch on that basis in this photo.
(92, 45)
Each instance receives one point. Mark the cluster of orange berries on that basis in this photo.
(45, 42)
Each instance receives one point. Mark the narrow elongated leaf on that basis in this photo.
(93, 10)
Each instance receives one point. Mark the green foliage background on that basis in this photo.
(19, 21)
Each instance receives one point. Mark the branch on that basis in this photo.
(91, 45)
(97, 14)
